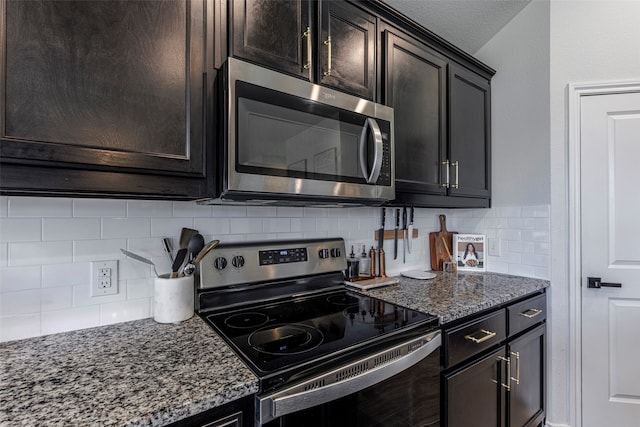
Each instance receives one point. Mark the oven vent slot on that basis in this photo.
(387, 357)
(352, 371)
(316, 384)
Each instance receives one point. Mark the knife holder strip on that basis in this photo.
(390, 234)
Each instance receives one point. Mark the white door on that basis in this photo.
(610, 249)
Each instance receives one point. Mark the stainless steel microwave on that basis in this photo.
(288, 141)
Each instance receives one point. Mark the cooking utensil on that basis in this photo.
(166, 244)
(178, 261)
(404, 235)
(185, 236)
(190, 268)
(410, 239)
(141, 259)
(437, 249)
(395, 234)
(196, 243)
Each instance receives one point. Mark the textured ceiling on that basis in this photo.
(468, 24)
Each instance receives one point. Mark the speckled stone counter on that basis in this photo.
(452, 296)
(137, 373)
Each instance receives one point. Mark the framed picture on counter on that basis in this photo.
(469, 252)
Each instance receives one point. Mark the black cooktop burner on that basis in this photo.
(250, 319)
(343, 299)
(286, 339)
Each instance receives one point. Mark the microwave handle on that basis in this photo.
(377, 158)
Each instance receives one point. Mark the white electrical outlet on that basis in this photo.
(104, 278)
(494, 246)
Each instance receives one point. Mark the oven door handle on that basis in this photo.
(371, 178)
(347, 379)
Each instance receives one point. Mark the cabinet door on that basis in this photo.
(347, 62)
(107, 86)
(274, 34)
(526, 400)
(415, 82)
(474, 395)
(469, 133)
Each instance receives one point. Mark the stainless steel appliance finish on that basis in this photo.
(290, 142)
(324, 355)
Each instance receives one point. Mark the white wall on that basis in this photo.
(520, 108)
(47, 244)
(591, 41)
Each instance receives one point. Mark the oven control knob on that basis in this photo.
(335, 253)
(220, 263)
(323, 253)
(237, 261)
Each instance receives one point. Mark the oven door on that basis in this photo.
(397, 387)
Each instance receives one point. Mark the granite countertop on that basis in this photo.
(452, 296)
(138, 373)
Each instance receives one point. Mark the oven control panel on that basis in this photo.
(251, 262)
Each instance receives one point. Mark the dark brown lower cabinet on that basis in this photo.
(503, 386)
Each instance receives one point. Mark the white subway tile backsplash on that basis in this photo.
(39, 207)
(113, 228)
(71, 319)
(212, 226)
(137, 289)
(20, 278)
(56, 298)
(4, 206)
(149, 208)
(40, 253)
(20, 229)
(99, 208)
(170, 227)
(71, 274)
(191, 209)
(125, 311)
(245, 225)
(70, 228)
(22, 302)
(19, 327)
(96, 250)
(276, 225)
(303, 225)
(290, 211)
(53, 263)
(261, 211)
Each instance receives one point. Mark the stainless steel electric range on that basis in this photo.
(324, 355)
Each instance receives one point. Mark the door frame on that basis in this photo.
(575, 93)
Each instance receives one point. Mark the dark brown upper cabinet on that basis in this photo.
(469, 133)
(332, 43)
(442, 125)
(106, 97)
(416, 82)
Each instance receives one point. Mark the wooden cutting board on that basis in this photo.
(437, 246)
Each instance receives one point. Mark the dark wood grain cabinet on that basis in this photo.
(332, 43)
(495, 374)
(106, 97)
(442, 125)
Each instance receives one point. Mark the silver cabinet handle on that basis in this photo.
(446, 165)
(517, 378)
(508, 360)
(530, 313)
(307, 34)
(373, 176)
(487, 336)
(327, 42)
(457, 166)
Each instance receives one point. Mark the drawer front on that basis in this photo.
(527, 313)
(473, 337)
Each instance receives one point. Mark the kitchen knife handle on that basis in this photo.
(398, 218)
(411, 216)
